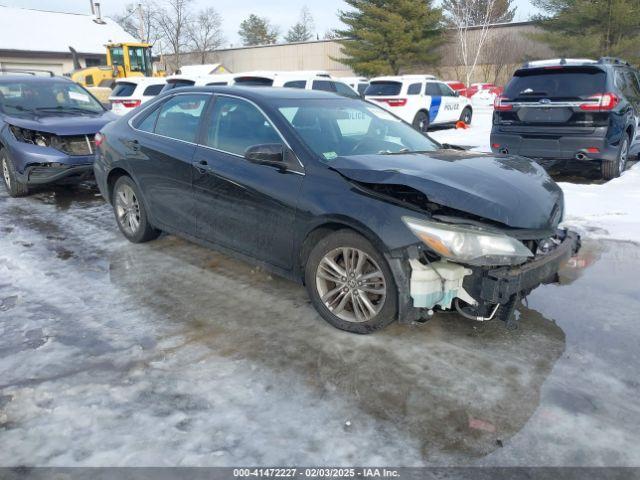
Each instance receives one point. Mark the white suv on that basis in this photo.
(420, 100)
(314, 82)
(132, 92)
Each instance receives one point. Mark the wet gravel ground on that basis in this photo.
(171, 354)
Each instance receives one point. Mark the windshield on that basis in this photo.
(333, 128)
(564, 83)
(46, 96)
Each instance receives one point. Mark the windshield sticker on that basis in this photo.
(81, 97)
(329, 155)
(378, 112)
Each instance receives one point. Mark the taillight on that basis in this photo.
(99, 138)
(131, 103)
(500, 106)
(601, 102)
(393, 102)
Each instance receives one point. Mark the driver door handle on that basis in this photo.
(201, 166)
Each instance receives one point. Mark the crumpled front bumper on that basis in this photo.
(486, 285)
(499, 285)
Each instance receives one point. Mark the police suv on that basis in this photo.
(420, 100)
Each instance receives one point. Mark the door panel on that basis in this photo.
(244, 206)
(162, 161)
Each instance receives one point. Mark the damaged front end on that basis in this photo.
(485, 228)
(484, 292)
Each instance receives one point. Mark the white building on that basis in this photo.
(40, 39)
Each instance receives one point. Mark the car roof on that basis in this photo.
(139, 80)
(404, 78)
(262, 93)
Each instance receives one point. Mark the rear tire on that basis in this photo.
(613, 168)
(350, 283)
(466, 115)
(421, 122)
(130, 211)
(8, 171)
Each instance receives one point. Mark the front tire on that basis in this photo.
(421, 122)
(613, 168)
(131, 214)
(350, 283)
(8, 170)
(466, 115)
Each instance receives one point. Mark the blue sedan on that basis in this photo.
(47, 129)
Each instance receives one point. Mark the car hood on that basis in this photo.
(85, 124)
(510, 190)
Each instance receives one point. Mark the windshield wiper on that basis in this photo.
(60, 108)
(402, 152)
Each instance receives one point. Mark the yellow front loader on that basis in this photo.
(123, 60)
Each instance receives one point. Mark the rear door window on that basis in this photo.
(383, 88)
(148, 123)
(564, 83)
(180, 117)
(414, 89)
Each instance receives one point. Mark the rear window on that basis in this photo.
(563, 83)
(124, 89)
(383, 88)
(177, 84)
(254, 81)
(153, 90)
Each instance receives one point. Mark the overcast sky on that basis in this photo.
(281, 12)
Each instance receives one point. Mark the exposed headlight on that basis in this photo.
(469, 245)
(31, 136)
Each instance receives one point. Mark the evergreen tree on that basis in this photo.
(389, 36)
(302, 31)
(257, 30)
(479, 12)
(591, 28)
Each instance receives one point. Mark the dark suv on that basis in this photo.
(554, 110)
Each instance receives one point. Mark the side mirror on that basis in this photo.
(456, 93)
(266, 154)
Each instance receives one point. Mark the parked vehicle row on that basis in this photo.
(377, 220)
(562, 109)
(420, 100)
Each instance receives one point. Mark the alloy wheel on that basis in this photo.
(5, 173)
(351, 284)
(624, 153)
(128, 209)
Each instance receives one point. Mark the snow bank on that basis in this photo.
(607, 211)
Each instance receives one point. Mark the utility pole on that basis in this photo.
(141, 22)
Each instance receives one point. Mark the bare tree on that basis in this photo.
(462, 15)
(139, 20)
(205, 32)
(173, 21)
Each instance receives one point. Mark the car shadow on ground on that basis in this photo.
(458, 388)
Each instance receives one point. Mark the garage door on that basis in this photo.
(53, 67)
